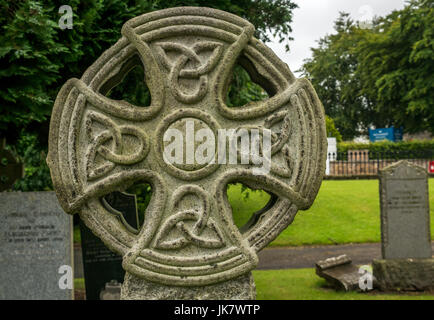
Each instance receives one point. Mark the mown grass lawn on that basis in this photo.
(344, 212)
(304, 284)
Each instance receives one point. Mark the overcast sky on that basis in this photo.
(315, 18)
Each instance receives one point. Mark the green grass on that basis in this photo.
(79, 283)
(304, 284)
(77, 234)
(344, 212)
(244, 202)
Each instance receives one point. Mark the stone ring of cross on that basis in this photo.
(99, 145)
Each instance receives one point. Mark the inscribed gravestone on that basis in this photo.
(188, 246)
(405, 217)
(36, 240)
(102, 266)
(407, 263)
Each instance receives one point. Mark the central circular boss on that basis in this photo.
(186, 144)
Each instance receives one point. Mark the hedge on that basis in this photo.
(387, 149)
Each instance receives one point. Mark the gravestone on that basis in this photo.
(10, 169)
(405, 217)
(103, 267)
(36, 241)
(407, 262)
(188, 246)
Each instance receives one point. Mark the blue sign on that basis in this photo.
(391, 134)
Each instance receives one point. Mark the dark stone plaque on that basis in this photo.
(101, 266)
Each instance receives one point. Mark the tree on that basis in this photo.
(37, 58)
(331, 129)
(396, 67)
(378, 77)
(332, 72)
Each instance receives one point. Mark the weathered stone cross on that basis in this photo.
(188, 246)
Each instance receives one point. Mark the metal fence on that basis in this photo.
(366, 164)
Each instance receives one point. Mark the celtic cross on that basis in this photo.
(98, 145)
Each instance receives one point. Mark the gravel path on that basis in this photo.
(307, 256)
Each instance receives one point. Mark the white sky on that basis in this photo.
(315, 18)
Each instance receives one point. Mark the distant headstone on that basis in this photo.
(10, 169)
(36, 255)
(405, 217)
(407, 263)
(102, 267)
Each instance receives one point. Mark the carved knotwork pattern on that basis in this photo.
(99, 145)
(178, 68)
(114, 155)
(190, 235)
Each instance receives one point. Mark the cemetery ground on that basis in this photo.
(345, 211)
(349, 213)
(300, 284)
